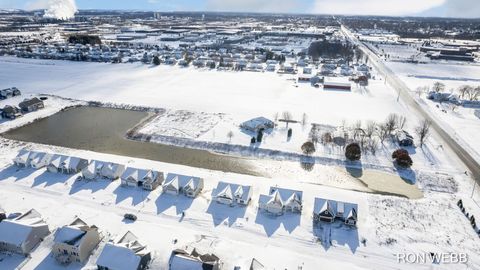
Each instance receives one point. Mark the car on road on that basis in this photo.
(129, 216)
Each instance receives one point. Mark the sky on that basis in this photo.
(440, 8)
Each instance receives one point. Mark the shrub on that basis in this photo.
(156, 60)
(253, 140)
(260, 136)
(353, 151)
(308, 148)
(402, 158)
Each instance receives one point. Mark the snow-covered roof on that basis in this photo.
(118, 258)
(17, 231)
(231, 190)
(257, 123)
(335, 207)
(182, 181)
(281, 196)
(182, 262)
(67, 162)
(73, 233)
(192, 260)
(126, 254)
(139, 174)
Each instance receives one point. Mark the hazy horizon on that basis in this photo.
(402, 8)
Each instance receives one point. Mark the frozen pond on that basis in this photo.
(103, 130)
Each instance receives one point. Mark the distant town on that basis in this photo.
(215, 140)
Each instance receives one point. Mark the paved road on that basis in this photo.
(454, 146)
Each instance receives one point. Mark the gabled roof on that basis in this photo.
(138, 174)
(232, 190)
(293, 199)
(226, 192)
(73, 234)
(174, 182)
(29, 102)
(18, 230)
(335, 207)
(125, 254)
(66, 162)
(22, 156)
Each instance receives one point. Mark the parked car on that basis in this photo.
(131, 217)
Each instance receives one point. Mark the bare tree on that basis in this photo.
(357, 129)
(372, 145)
(314, 134)
(474, 93)
(344, 124)
(287, 116)
(421, 90)
(275, 117)
(423, 131)
(391, 123)
(453, 106)
(370, 129)
(438, 87)
(464, 90)
(401, 121)
(382, 132)
(230, 135)
(304, 119)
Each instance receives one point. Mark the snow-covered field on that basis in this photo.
(462, 122)
(206, 105)
(213, 103)
(387, 225)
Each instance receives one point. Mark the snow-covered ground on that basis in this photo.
(462, 122)
(387, 225)
(220, 101)
(213, 103)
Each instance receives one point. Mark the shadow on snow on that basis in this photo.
(337, 234)
(271, 223)
(222, 213)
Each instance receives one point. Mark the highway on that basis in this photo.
(448, 140)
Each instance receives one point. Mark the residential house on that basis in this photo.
(39, 160)
(93, 170)
(193, 260)
(11, 112)
(280, 200)
(255, 124)
(36, 160)
(101, 169)
(9, 92)
(330, 210)
(75, 242)
(228, 193)
(126, 253)
(112, 171)
(67, 164)
(23, 233)
(30, 105)
(21, 160)
(147, 179)
(188, 185)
